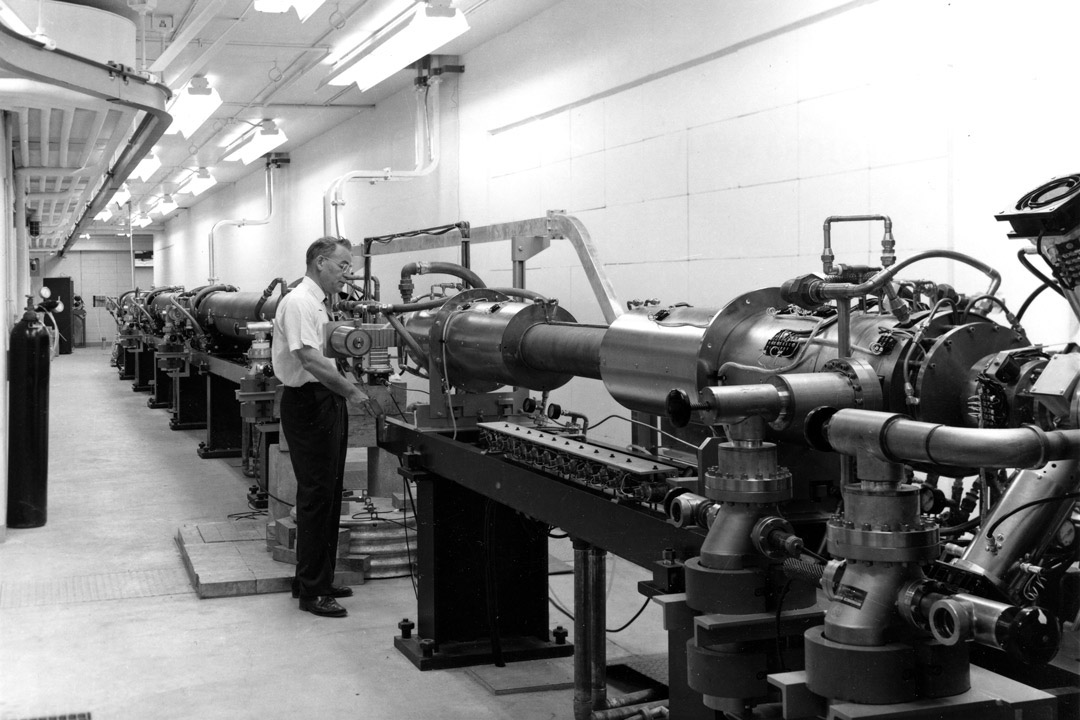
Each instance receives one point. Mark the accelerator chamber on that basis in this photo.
(855, 490)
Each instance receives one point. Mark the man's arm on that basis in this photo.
(326, 372)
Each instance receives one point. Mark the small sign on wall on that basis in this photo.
(35, 266)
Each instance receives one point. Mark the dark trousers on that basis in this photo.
(315, 423)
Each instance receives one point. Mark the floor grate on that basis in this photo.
(91, 588)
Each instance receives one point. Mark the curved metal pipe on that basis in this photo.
(425, 128)
(270, 165)
(194, 323)
(834, 291)
(432, 268)
(268, 292)
(894, 438)
(198, 298)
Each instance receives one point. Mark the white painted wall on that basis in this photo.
(702, 142)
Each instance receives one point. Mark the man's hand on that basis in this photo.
(359, 402)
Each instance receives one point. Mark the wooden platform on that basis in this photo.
(224, 559)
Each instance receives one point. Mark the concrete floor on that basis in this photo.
(96, 615)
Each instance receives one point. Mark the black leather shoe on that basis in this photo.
(336, 591)
(323, 605)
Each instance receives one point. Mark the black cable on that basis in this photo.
(1022, 257)
(631, 620)
(627, 624)
(1030, 299)
(960, 528)
(559, 607)
(1042, 501)
(270, 494)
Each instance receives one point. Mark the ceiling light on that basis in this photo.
(419, 32)
(193, 106)
(146, 167)
(104, 216)
(197, 182)
(256, 142)
(141, 221)
(304, 8)
(122, 195)
(166, 206)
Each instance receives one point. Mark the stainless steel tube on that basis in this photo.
(598, 625)
(564, 348)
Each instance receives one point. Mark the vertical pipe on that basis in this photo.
(582, 666)
(131, 244)
(7, 241)
(518, 280)
(598, 626)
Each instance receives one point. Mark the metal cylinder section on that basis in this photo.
(477, 340)
(228, 313)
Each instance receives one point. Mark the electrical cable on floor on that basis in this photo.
(270, 494)
(251, 515)
(570, 615)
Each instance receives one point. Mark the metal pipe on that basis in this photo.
(429, 129)
(843, 327)
(270, 165)
(563, 348)
(598, 625)
(648, 710)
(894, 438)
(832, 291)
(888, 244)
(194, 323)
(582, 638)
(407, 337)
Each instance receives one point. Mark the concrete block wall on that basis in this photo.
(97, 273)
(702, 143)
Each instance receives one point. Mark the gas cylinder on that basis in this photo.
(28, 426)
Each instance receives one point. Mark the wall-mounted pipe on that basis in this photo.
(427, 134)
(270, 166)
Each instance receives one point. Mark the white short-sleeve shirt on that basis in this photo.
(298, 322)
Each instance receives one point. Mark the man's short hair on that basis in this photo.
(324, 246)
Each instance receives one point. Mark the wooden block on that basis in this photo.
(343, 541)
(284, 555)
(348, 577)
(285, 529)
(354, 563)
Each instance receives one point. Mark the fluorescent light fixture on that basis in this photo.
(104, 216)
(122, 195)
(256, 142)
(146, 167)
(419, 32)
(166, 206)
(193, 106)
(197, 183)
(141, 220)
(304, 8)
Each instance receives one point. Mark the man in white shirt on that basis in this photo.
(314, 421)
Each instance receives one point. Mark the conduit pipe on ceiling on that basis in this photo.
(427, 135)
(26, 58)
(270, 165)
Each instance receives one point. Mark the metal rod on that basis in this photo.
(598, 625)
(582, 667)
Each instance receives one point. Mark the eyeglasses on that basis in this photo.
(344, 266)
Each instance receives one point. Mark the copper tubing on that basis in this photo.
(894, 438)
(563, 348)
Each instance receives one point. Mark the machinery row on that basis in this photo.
(855, 491)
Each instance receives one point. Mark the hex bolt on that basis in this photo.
(559, 633)
(406, 626)
(427, 647)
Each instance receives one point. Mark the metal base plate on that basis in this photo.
(214, 453)
(478, 652)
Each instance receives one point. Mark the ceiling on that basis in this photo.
(264, 66)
